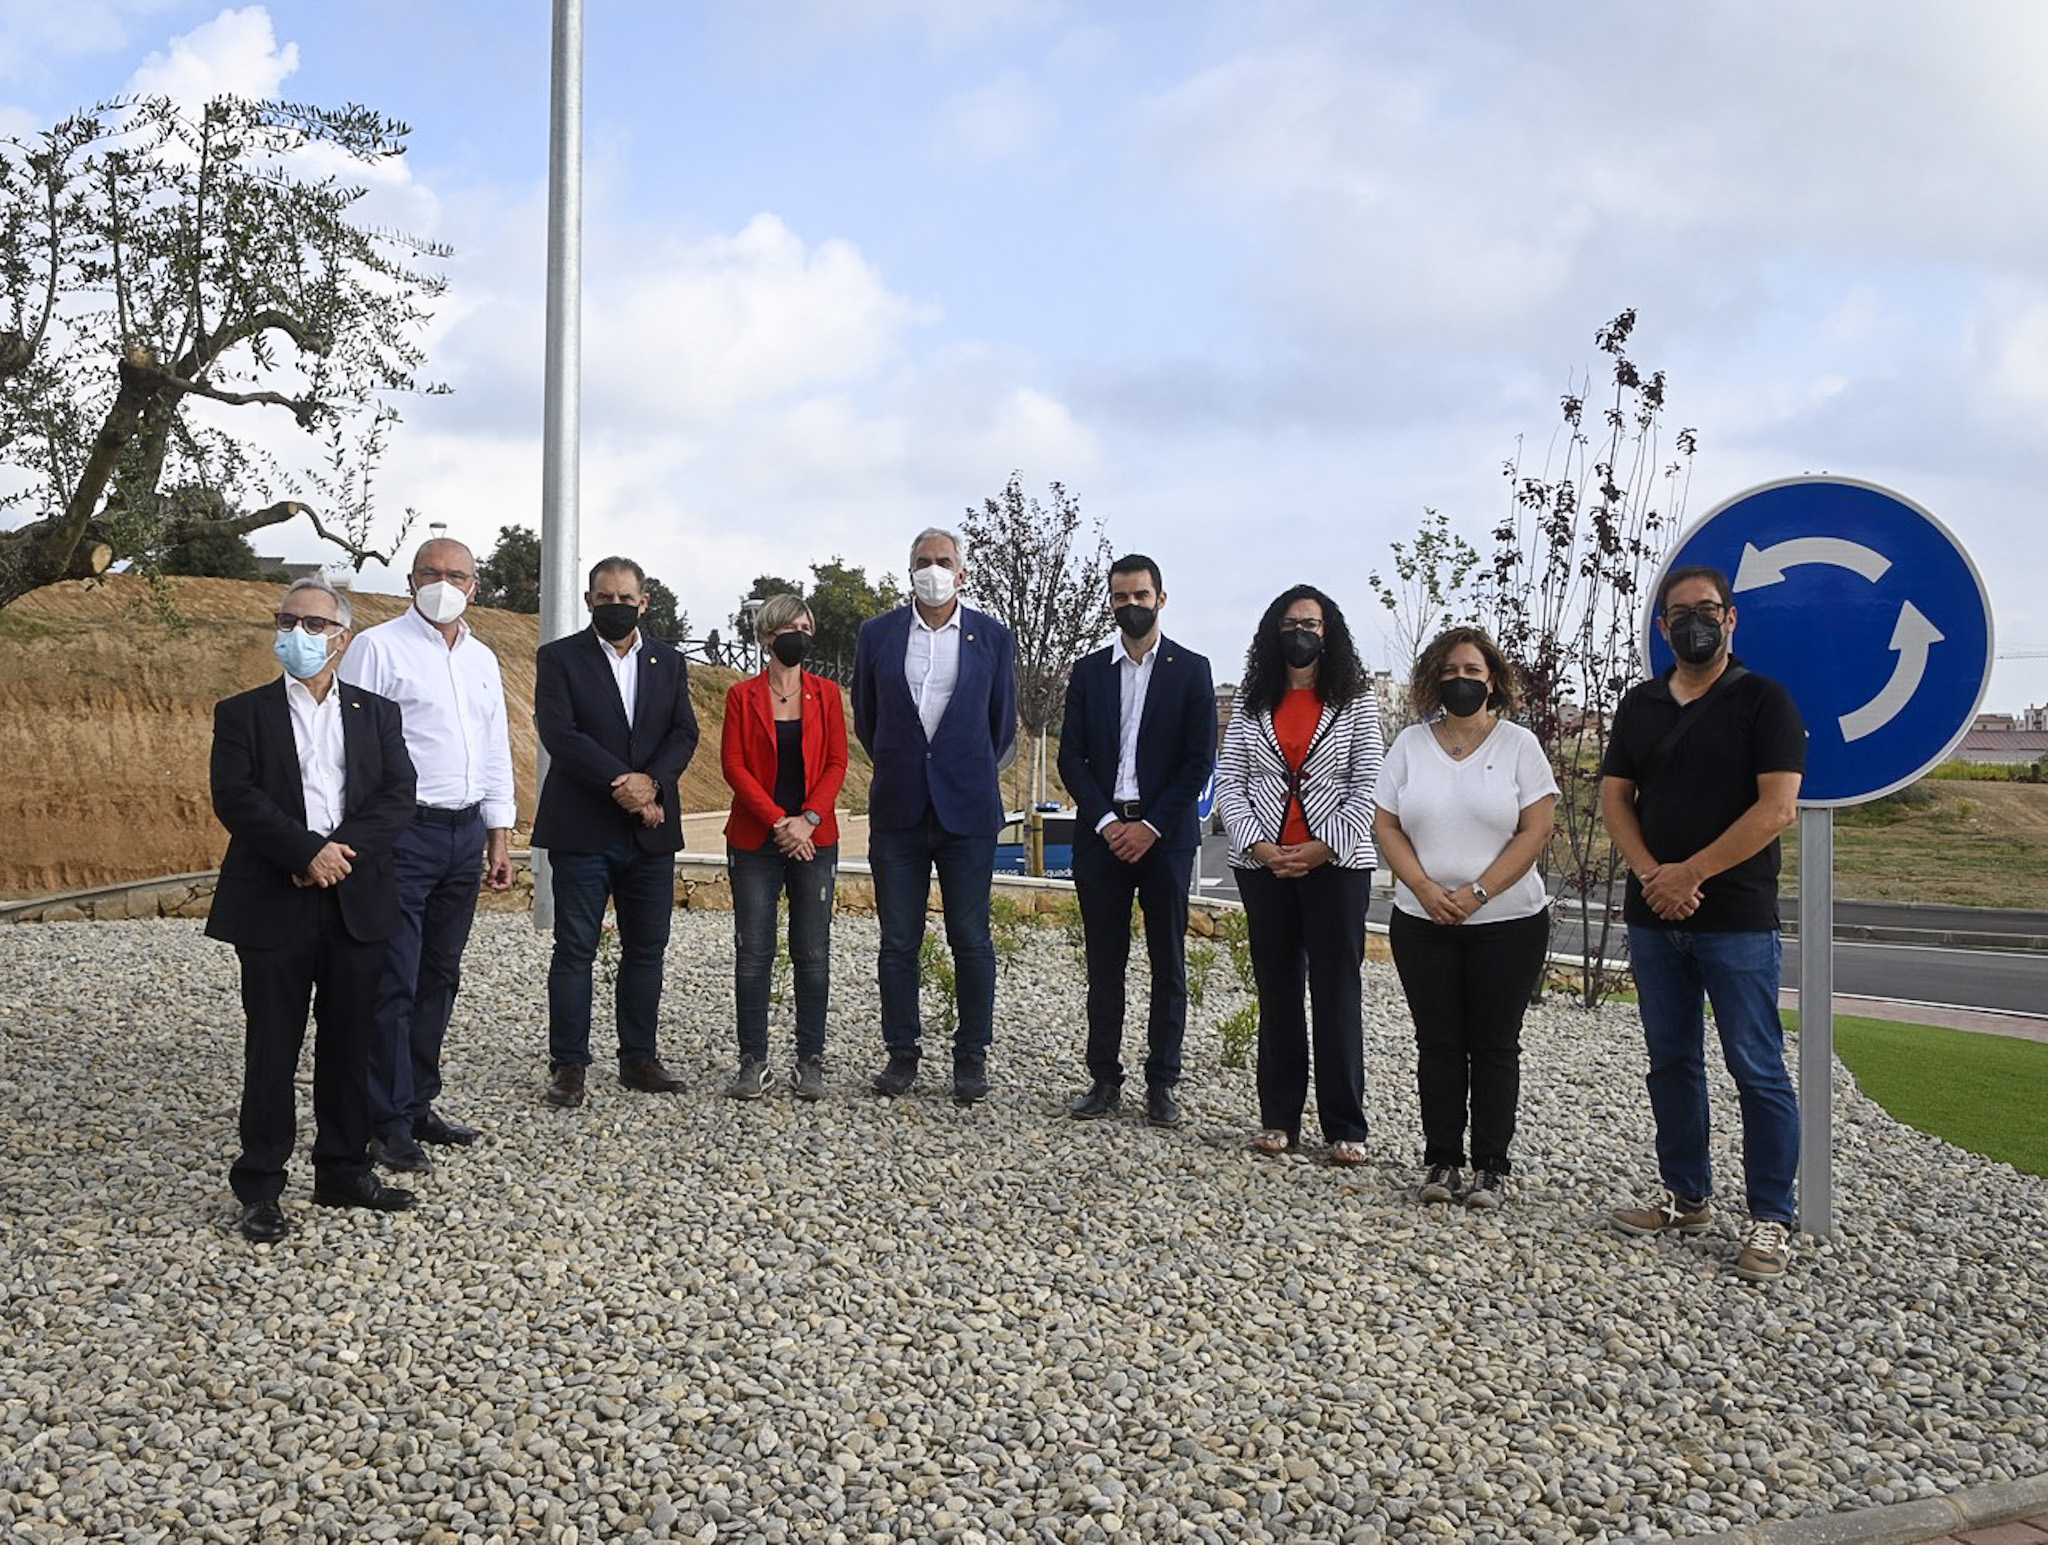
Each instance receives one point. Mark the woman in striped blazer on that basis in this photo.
(1294, 786)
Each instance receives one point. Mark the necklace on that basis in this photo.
(1459, 749)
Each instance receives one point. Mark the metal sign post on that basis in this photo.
(1873, 617)
(1816, 1019)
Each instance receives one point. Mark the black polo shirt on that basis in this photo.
(1739, 730)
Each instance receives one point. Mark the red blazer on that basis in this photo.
(747, 751)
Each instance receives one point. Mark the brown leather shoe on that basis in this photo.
(647, 1075)
(565, 1086)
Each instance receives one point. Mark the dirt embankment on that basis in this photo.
(106, 723)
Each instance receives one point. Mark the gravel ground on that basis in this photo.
(867, 1320)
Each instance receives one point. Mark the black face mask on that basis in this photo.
(792, 648)
(1136, 621)
(615, 620)
(1696, 640)
(1300, 649)
(1463, 696)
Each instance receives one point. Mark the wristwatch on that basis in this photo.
(1481, 892)
(814, 818)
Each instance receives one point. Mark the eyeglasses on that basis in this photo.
(1706, 611)
(1301, 624)
(428, 576)
(314, 626)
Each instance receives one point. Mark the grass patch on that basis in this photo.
(1979, 1092)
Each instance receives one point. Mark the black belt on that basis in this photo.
(434, 815)
(1125, 809)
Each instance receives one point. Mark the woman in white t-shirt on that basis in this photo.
(1466, 801)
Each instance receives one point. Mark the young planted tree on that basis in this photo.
(1427, 594)
(1031, 569)
(1563, 596)
(167, 275)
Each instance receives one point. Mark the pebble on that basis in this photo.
(691, 1318)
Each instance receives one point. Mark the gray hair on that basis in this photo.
(924, 536)
(343, 612)
(777, 613)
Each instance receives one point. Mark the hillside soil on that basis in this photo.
(106, 723)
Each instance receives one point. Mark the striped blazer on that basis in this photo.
(1337, 782)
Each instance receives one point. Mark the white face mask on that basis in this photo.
(440, 602)
(934, 586)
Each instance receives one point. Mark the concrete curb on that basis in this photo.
(1904, 1523)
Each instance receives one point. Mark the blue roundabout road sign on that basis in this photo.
(1868, 610)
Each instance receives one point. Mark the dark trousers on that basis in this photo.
(335, 976)
(1317, 921)
(902, 863)
(1105, 886)
(760, 876)
(642, 889)
(1468, 985)
(440, 868)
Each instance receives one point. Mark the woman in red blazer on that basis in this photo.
(784, 753)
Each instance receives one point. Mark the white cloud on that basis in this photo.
(696, 334)
(235, 54)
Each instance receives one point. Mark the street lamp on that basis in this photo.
(750, 609)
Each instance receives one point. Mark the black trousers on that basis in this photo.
(336, 976)
(1316, 922)
(1105, 886)
(1468, 985)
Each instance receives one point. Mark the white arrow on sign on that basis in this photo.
(1912, 638)
(1767, 566)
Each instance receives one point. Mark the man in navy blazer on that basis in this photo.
(312, 781)
(613, 709)
(935, 703)
(1136, 745)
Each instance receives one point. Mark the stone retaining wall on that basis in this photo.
(701, 886)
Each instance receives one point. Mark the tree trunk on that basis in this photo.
(26, 564)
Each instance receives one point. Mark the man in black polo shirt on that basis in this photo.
(1702, 774)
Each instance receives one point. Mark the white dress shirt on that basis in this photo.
(1133, 681)
(316, 733)
(625, 670)
(931, 666)
(453, 700)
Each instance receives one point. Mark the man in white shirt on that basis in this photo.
(1137, 744)
(935, 704)
(447, 682)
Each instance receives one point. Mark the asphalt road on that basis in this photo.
(1961, 957)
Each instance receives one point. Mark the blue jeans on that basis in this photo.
(759, 877)
(642, 889)
(1677, 972)
(902, 863)
(439, 863)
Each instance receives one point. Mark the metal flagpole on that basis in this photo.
(561, 403)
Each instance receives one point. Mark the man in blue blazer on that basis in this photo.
(312, 781)
(613, 709)
(935, 703)
(1137, 744)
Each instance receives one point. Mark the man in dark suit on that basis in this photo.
(613, 709)
(1137, 744)
(935, 703)
(312, 781)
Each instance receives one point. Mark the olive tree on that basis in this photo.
(169, 275)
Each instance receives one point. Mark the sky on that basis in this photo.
(1258, 283)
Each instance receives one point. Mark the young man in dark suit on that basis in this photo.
(1137, 744)
(312, 781)
(613, 709)
(935, 704)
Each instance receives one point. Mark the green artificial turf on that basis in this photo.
(1987, 1094)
